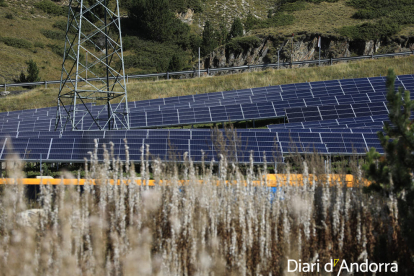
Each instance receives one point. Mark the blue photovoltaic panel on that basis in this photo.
(345, 110)
(345, 85)
(170, 144)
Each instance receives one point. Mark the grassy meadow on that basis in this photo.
(151, 89)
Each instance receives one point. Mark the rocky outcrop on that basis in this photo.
(186, 17)
(222, 57)
(4, 93)
(304, 47)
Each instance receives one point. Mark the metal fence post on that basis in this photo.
(208, 71)
(45, 84)
(278, 59)
(41, 171)
(168, 75)
(331, 61)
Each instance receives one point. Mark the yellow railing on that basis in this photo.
(273, 180)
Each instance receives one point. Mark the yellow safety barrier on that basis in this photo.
(273, 180)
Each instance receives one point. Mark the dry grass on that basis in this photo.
(195, 229)
(142, 90)
(322, 18)
(27, 26)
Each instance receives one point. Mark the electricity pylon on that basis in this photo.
(93, 93)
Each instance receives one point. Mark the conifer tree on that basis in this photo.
(155, 21)
(175, 64)
(393, 172)
(236, 28)
(32, 74)
(250, 21)
(209, 41)
(223, 34)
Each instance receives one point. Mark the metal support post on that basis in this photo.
(41, 170)
(291, 59)
(278, 59)
(319, 46)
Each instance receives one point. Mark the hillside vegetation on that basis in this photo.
(156, 40)
(145, 89)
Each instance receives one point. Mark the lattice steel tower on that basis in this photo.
(93, 93)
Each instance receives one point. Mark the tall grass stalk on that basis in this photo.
(200, 227)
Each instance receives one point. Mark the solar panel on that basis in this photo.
(353, 107)
(291, 91)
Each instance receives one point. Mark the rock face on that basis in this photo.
(305, 47)
(221, 57)
(186, 17)
(4, 93)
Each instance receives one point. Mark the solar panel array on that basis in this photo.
(169, 144)
(331, 117)
(247, 104)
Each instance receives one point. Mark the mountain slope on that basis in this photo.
(39, 33)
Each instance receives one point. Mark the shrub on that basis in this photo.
(277, 20)
(367, 31)
(39, 44)
(175, 64)
(250, 22)
(130, 42)
(151, 56)
(157, 22)
(240, 44)
(62, 25)
(58, 35)
(9, 15)
(57, 49)
(183, 5)
(16, 42)
(295, 6)
(3, 4)
(368, 14)
(51, 8)
(399, 12)
(32, 74)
